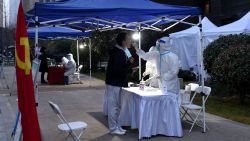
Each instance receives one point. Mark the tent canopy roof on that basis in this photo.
(110, 14)
(206, 24)
(240, 26)
(57, 32)
(75, 8)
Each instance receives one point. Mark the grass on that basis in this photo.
(229, 107)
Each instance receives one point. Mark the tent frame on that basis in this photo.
(139, 27)
(106, 24)
(95, 23)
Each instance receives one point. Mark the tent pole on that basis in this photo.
(176, 23)
(77, 51)
(202, 74)
(201, 53)
(89, 58)
(139, 32)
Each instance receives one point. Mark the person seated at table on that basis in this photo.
(69, 67)
(167, 65)
(64, 61)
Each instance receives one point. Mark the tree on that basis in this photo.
(232, 68)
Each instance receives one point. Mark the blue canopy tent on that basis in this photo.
(110, 14)
(102, 15)
(59, 33)
(90, 8)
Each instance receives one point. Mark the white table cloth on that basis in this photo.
(151, 112)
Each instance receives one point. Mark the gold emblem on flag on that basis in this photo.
(26, 65)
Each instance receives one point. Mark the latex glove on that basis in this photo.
(145, 73)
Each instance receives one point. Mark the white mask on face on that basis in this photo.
(164, 44)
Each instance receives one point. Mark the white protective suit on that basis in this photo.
(151, 70)
(167, 65)
(70, 67)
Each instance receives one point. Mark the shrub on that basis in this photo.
(232, 68)
(221, 44)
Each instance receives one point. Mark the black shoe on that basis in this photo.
(44, 82)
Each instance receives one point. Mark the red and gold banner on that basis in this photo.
(25, 87)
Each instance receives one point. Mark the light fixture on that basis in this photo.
(136, 36)
(81, 46)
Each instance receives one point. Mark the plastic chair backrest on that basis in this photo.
(57, 111)
(188, 89)
(185, 99)
(205, 90)
(55, 108)
(193, 86)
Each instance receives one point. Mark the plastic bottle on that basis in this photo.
(142, 85)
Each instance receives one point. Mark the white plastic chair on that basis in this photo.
(77, 73)
(69, 127)
(189, 109)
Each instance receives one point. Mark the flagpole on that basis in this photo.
(36, 32)
(36, 45)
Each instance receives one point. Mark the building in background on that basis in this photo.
(4, 13)
(13, 12)
(29, 4)
(13, 7)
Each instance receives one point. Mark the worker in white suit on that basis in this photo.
(167, 65)
(151, 69)
(69, 66)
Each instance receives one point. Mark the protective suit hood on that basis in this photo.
(164, 44)
(70, 57)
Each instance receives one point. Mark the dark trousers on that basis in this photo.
(66, 80)
(42, 77)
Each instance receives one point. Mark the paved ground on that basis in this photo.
(84, 102)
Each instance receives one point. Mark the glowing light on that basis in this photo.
(136, 36)
(82, 45)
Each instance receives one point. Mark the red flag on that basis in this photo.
(25, 87)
